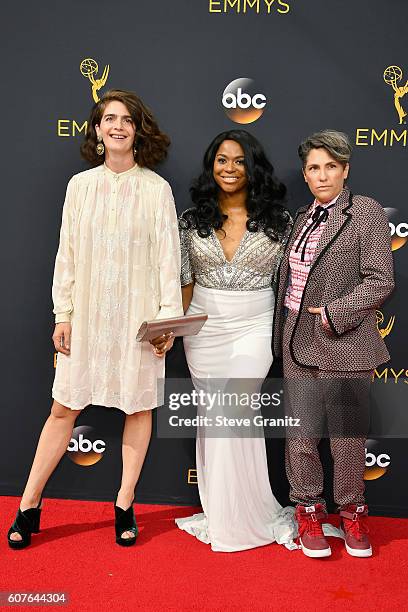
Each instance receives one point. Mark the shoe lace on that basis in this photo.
(312, 525)
(357, 526)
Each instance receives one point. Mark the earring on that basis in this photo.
(134, 149)
(100, 147)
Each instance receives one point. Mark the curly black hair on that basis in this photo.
(265, 193)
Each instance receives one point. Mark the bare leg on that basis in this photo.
(53, 442)
(135, 442)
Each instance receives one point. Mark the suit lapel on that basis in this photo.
(298, 224)
(338, 217)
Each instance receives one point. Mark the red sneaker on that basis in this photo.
(312, 540)
(355, 530)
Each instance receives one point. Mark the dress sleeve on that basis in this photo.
(64, 270)
(187, 276)
(168, 241)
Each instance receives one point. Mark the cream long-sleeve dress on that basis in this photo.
(118, 264)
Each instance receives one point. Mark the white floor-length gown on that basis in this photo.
(233, 350)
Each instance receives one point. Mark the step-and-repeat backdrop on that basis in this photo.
(279, 69)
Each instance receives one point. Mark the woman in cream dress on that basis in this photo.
(118, 264)
(231, 244)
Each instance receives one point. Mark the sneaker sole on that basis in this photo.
(315, 553)
(357, 552)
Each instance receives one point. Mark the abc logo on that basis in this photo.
(377, 462)
(84, 448)
(399, 230)
(241, 102)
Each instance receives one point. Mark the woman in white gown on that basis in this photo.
(118, 264)
(231, 243)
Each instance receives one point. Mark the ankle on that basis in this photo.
(30, 501)
(124, 498)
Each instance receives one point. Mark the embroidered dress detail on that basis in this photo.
(117, 265)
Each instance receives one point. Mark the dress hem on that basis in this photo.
(96, 403)
(283, 532)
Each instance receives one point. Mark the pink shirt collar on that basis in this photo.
(333, 201)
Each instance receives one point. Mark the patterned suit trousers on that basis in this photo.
(326, 403)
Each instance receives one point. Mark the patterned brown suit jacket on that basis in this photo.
(351, 275)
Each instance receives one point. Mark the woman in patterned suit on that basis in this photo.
(231, 243)
(336, 271)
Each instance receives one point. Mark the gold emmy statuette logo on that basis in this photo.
(388, 137)
(89, 69)
(384, 331)
(392, 75)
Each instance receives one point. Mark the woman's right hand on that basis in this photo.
(62, 338)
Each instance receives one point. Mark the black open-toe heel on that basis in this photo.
(125, 521)
(26, 523)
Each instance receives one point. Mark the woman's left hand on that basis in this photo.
(323, 318)
(162, 344)
(313, 310)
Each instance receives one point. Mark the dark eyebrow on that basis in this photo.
(123, 116)
(226, 156)
(326, 164)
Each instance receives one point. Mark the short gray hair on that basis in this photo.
(337, 144)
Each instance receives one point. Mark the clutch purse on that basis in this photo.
(189, 325)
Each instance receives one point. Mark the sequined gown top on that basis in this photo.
(253, 266)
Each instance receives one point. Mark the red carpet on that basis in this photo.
(169, 570)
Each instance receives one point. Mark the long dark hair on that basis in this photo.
(265, 193)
